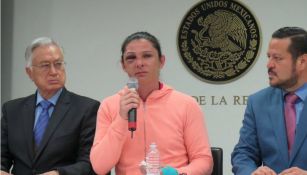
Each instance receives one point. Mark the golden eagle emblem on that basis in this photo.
(222, 30)
(218, 40)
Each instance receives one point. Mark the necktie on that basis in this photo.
(42, 122)
(290, 118)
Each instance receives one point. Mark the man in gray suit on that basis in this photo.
(273, 138)
(49, 139)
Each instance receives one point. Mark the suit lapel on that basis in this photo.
(301, 133)
(28, 113)
(278, 123)
(57, 116)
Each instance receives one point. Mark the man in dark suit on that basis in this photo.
(51, 140)
(273, 138)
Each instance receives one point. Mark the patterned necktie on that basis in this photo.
(290, 118)
(42, 122)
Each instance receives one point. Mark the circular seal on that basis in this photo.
(218, 40)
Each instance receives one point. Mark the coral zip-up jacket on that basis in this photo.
(171, 119)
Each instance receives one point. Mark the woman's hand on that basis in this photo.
(129, 99)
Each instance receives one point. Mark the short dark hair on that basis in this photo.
(298, 37)
(141, 35)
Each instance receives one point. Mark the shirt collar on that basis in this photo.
(53, 99)
(300, 92)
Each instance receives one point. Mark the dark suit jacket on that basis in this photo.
(263, 138)
(66, 143)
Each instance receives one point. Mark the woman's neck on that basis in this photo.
(146, 89)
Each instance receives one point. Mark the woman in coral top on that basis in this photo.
(171, 119)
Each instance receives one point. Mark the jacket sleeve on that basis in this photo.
(111, 131)
(246, 155)
(197, 142)
(86, 135)
(6, 157)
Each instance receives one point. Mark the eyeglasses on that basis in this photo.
(58, 65)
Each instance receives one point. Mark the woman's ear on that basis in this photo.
(162, 61)
(123, 66)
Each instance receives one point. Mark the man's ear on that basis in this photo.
(304, 58)
(29, 72)
(302, 61)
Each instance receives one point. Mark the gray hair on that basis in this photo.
(41, 41)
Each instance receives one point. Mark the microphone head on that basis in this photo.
(133, 83)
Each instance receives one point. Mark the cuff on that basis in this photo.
(169, 171)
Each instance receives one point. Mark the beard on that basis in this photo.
(286, 83)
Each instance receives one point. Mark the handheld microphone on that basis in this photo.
(132, 118)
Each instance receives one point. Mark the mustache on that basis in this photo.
(270, 71)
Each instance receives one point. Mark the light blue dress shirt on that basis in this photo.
(299, 104)
(52, 100)
(302, 94)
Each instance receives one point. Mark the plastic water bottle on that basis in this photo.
(153, 160)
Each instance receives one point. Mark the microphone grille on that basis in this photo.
(133, 83)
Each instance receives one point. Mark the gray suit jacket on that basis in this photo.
(66, 143)
(263, 138)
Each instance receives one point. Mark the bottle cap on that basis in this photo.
(153, 145)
